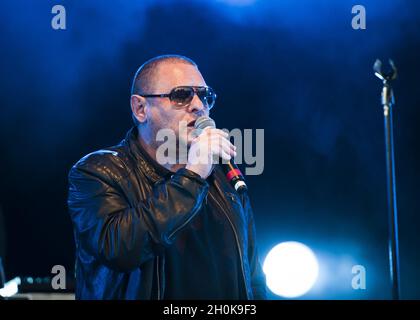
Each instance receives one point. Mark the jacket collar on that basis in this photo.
(153, 170)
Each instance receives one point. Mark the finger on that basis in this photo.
(217, 147)
(223, 141)
(225, 155)
(228, 148)
(217, 132)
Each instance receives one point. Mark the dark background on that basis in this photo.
(296, 69)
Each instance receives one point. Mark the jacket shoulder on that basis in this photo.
(112, 162)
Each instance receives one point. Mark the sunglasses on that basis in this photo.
(183, 95)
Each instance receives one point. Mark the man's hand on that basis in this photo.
(206, 148)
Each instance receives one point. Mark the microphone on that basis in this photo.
(231, 170)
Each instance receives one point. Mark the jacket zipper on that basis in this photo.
(180, 227)
(237, 244)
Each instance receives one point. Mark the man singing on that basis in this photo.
(151, 230)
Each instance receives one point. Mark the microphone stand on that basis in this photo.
(387, 103)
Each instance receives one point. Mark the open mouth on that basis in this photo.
(191, 123)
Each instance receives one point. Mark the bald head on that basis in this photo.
(145, 77)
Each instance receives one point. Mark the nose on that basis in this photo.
(197, 106)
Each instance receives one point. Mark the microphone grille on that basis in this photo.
(204, 122)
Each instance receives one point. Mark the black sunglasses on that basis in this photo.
(183, 95)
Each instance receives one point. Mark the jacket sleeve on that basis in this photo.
(120, 235)
(257, 274)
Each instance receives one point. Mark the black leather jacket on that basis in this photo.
(124, 214)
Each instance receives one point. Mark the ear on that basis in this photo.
(138, 107)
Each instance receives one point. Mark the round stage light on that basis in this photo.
(291, 269)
